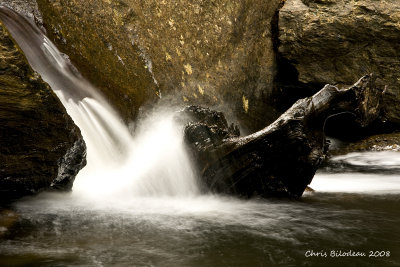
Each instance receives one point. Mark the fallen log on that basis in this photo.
(281, 159)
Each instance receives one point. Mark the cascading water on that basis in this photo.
(152, 163)
(137, 203)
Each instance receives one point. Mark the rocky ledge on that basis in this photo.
(40, 146)
(335, 42)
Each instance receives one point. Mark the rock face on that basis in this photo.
(335, 42)
(381, 142)
(214, 53)
(29, 8)
(281, 159)
(222, 54)
(40, 146)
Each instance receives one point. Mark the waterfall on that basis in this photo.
(153, 163)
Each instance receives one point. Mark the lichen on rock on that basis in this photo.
(172, 48)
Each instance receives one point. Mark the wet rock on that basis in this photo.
(29, 8)
(281, 159)
(40, 146)
(336, 42)
(381, 142)
(7, 220)
(205, 131)
(214, 53)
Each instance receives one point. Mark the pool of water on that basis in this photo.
(349, 212)
(134, 207)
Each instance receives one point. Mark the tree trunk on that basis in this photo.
(281, 159)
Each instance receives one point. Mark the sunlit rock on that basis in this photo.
(214, 53)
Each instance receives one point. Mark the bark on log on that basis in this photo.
(281, 159)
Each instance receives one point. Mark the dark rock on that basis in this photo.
(361, 156)
(381, 142)
(69, 166)
(7, 219)
(205, 131)
(281, 159)
(336, 42)
(40, 146)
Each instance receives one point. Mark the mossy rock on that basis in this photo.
(213, 53)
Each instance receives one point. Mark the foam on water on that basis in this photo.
(137, 201)
(354, 182)
(388, 159)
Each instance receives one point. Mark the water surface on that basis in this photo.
(138, 203)
(209, 230)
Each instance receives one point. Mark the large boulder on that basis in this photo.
(40, 146)
(215, 53)
(329, 41)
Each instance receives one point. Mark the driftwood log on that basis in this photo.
(281, 159)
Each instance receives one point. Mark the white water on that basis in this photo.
(387, 159)
(137, 202)
(154, 163)
(367, 183)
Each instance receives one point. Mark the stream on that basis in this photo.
(138, 202)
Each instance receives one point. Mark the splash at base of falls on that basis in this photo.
(138, 203)
(154, 163)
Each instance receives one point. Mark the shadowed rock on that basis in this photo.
(337, 42)
(40, 146)
(281, 159)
